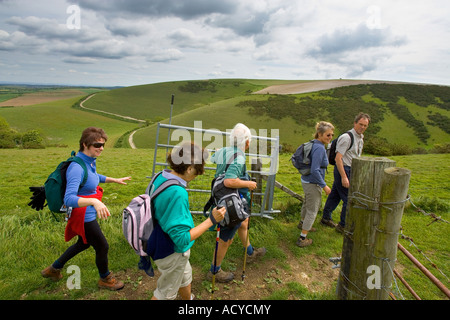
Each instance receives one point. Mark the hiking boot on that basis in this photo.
(340, 228)
(257, 253)
(52, 273)
(328, 223)
(300, 226)
(303, 242)
(221, 276)
(110, 282)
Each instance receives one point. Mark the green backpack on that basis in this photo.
(54, 188)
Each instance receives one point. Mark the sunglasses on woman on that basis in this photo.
(98, 144)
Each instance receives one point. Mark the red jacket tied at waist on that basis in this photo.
(75, 225)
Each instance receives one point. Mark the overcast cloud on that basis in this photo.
(132, 42)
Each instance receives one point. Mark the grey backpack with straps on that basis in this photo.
(222, 196)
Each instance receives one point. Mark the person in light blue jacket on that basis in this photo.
(314, 183)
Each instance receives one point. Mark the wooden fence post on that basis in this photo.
(359, 233)
(394, 192)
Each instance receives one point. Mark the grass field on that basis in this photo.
(29, 240)
(60, 123)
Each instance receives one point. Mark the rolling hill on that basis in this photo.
(152, 101)
(410, 115)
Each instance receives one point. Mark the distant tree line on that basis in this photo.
(206, 85)
(440, 121)
(306, 110)
(421, 95)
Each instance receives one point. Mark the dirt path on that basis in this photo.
(106, 112)
(130, 138)
(262, 279)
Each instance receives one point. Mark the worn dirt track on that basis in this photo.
(312, 86)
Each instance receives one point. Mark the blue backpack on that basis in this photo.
(301, 159)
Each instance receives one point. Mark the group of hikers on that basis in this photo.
(171, 208)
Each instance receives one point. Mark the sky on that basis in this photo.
(134, 42)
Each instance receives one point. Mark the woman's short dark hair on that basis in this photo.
(90, 136)
(186, 155)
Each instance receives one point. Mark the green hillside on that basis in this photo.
(153, 101)
(406, 118)
(403, 116)
(61, 124)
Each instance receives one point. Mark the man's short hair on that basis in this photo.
(362, 115)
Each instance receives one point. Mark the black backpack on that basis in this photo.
(331, 152)
(222, 196)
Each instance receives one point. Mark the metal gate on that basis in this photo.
(264, 165)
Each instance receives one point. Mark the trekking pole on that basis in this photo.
(248, 233)
(215, 260)
(170, 122)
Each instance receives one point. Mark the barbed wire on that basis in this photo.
(434, 216)
(412, 243)
(365, 202)
(391, 270)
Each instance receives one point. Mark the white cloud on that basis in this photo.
(164, 55)
(129, 28)
(186, 38)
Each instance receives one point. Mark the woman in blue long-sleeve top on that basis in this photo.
(86, 205)
(314, 183)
